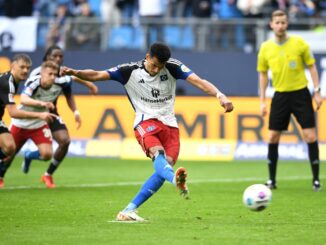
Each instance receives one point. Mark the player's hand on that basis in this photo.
(318, 100)
(92, 88)
(48, 117)
(48, 105)
(263, 109)
(78, 120)
(226, 103)
(64, 70)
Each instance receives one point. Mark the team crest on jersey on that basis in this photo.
(155, 93)
(184, 68)
(150, 129)
(293, 64)
(164, 77)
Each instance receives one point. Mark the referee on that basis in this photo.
(286, 57)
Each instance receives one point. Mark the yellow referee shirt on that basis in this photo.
(287, 63)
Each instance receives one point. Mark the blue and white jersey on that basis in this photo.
(151, 96)
(34, 90)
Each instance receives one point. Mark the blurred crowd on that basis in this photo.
(107, 9)
(87, 36)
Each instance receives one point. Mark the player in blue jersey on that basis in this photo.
(151, 88)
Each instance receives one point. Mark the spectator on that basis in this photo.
(229, 36)
(179, 8)
(201, 9)
(301, 9)
(127, 8)
(151, 13)
(58, 27)
(251, 9)
(280, 4)
(45, 8)
(109, 12)
(84, 31)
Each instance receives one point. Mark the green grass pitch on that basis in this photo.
(91, 191)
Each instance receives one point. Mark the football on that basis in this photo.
(257, 197)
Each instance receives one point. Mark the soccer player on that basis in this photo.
(150, 85)
(286, 56)
(58, 128)
(9, 82)
(39, 94)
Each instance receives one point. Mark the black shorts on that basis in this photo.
(57, 124)
(3, 128)
(298, 103)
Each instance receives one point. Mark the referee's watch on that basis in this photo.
(317, 90)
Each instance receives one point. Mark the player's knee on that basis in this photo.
(9, 149)
(170, 160)
(310, 138)
(274, 138)
(46, 154)
(309, 135)
(64, 142)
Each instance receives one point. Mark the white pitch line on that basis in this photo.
(138, 183)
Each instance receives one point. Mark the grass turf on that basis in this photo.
(91, 191)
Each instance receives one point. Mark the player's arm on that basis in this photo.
(73, 107)
(315, 79)
(29, 101)
(91, 86)
(210, 89)
(88, 74)
(20, 114)
(263, 82)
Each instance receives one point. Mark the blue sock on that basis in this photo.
(163, 168)
(152, 185)
(2, 154)
(32, 155)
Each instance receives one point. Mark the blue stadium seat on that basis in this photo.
(188, 40)
(42, 31)
(126, 37)
(95, 7)
(179, 37)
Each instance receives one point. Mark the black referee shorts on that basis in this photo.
(298, 103)
(57, 124)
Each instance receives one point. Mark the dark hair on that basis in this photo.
(49, 51)
(50, 64)
(161, 51)
(23, 57)
(278, 13)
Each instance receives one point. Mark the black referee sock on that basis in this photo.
(51, 168)
(313, 152)
(3, 168)
(272, 161)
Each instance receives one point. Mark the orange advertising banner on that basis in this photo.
(111, 117)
